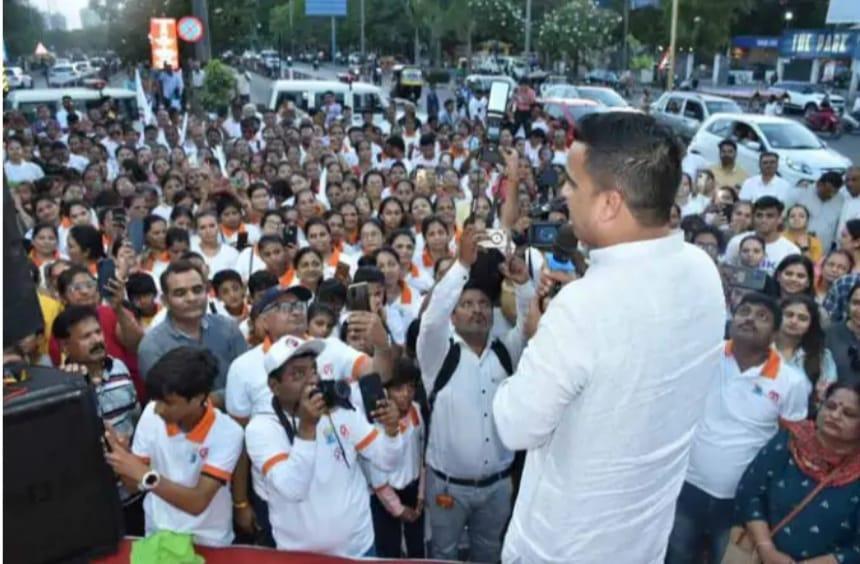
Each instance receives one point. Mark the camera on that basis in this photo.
(335, 393)
(542, 234)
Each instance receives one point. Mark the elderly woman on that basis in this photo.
(799, 499)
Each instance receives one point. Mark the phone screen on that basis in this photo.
(358, 297)
(371, 392)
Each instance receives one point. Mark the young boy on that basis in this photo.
(398, 504)
(230, 290)
(143, 296)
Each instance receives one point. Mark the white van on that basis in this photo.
(27, 101)
(309, 95)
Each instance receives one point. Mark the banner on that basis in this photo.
(843, 12)
(165, 46)
(325, 8)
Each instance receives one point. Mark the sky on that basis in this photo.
(69, 8)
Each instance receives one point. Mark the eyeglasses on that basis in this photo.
(83, 286)
(287, 307)
(300, 374)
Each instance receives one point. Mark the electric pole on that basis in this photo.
(528, 27)
(203, 48)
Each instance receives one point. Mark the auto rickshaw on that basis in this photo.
(407, 83)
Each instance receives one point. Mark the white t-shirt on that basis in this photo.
(25, 171)
(754, 188)
(412, 430)
(224, 259)
(742, 414)
(692, 164)
(211, 448)
(774, 252)
(247, 391)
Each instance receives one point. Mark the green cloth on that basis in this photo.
(165, 547)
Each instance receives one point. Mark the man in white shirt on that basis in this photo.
(184, 451)
(604, 407)
(767, 217)
(851, 195)
(824, 204)
(478, 107)
(306, 451)
(426, 155)
(767, 183)
(693, 163)
(16, 168)
(468, 467)
(755, 389)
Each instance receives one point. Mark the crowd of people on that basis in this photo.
(233, 286)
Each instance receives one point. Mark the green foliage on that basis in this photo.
(642, 62)
(22, 27)
(577, 27)
(218, 86)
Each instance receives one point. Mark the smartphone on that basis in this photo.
(498, 239)
(291, 235)
(118, 215)
(106, 271)
(371, 392)
(358, 297)
(492, 155)
(341, 272)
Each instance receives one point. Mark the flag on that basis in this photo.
(142, 103)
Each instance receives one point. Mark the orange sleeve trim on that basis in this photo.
(358, 366)
(280, 457)
(365, 442)
(216, 473)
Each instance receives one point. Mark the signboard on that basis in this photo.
(190, 29)
(843, 12)
(165, 45)
(335, 8)
(755, 42)
(820, 44)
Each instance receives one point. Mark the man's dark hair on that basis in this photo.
(767, 203)
(713, 230)
(260, 281)
(269, 239)
(71, 316)
(757, 298)
(185, 371)
(636, 155)
(149, 220)
(768, 154)
(179, 267)
(65, 279)
(397, 142)
(225, 276)
(728, 143)
(176, 235)
(140, 284)
(833, 178)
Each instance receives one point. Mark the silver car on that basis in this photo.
(685, 112)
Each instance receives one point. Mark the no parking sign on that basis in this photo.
(190, 29)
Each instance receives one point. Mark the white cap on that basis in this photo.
(286, 348)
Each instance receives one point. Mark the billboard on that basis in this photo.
(164, 44)
(325, 8)
(820, 44)
(843, 12)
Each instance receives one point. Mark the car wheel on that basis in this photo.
(810, 109)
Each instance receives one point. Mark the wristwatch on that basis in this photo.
(149, 481)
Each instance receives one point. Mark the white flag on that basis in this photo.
(142, 104)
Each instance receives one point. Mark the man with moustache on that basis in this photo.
(728, 172)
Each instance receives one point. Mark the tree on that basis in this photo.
(577, 28)
(219, 85)
(23, 27)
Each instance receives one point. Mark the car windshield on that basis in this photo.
(579, 112)
(607, 97)
(723, 107)
(789, 136)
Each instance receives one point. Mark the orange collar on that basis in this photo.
(93, 267)
(228, 232)
(457, 234)
(334, 259)
(150, 261)
(267, 344)
(106, 242)
(405, 292)
(427, 258)
(413, 270)
(200, 431)
(770, 368)
(38, 261)
(352, 237)
(286, 279)
(66, 222)
(410, 418)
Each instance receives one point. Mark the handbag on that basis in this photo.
(741, 548)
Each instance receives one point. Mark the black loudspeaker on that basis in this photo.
(22, 315)
(60, 496)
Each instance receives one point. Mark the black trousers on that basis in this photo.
(390, 530)
(524, 119)
(133, 518)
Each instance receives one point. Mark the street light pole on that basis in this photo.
(625, 54)
(528, 26)
(670, 83)
(203, 48)
(363, 46)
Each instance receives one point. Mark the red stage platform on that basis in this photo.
(253, 555)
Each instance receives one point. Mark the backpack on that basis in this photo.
(452, 359)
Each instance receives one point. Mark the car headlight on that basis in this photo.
(798, 166)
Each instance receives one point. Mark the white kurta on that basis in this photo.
(606, 397)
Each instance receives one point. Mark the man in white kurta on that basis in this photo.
(609, 390)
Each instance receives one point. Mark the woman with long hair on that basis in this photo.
(320, 240)
(349, 212)
(437, 243)
(843, 339)
(795, 274)
(85, 247)
(217, 255)
(797, 231)
(308, 265)
(850, 241)
(402, 303)
(392, 213)
(800, 341)
(836, 264)
(403, 243)
(44, 246)
(234, 230)
(154, 258)
(371, 237)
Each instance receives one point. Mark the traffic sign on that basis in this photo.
(190, 29)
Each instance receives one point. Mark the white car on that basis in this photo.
(807, 97)
(62, 75)
(803, 157)
(16, 78)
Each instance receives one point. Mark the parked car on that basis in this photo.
(565, 91)
(84, 69)
(603, 77)
(308, 95)
(568, 111)
(603, 96)
(62, 75)
(803, 157)
(807, 97)
(684, 112)
(15, 78)
(28, 101)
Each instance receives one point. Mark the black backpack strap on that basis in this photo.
(504, 356)
(449, 365)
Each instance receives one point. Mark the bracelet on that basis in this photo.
(241, 504)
